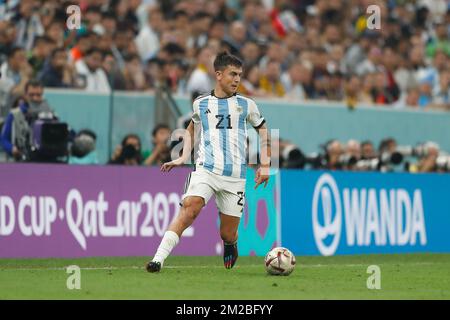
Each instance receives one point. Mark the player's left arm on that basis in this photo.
(262, 174)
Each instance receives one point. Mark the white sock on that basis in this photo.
(168, 242)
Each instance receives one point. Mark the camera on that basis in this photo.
(49, 141)
(443, 163)
(382, 163)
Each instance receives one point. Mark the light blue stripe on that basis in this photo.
(223, 138)
(242, 138)
(209, 161)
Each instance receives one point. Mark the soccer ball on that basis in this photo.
(279, 262)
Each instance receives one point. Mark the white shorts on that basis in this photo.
(229, 191)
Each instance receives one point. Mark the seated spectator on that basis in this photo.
(41, 50)
(29, 24)
(129, 152)
(250, 53)
(84, 43)
(15, 137)
(201, 79)
(270, 81)
(425, 93)
(161, 149)
(7, 38)
(14, 75)
(441, 96)
(237, 36)
(250, 83)
(440, 41)
(147, 41)
(409, 99)
(116, 77)
(297, 82)
(90, 75)
(357, 92)
(381, 93)
(58, 72)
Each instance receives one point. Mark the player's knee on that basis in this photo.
(192, 207)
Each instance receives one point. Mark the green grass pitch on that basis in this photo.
(409, 276)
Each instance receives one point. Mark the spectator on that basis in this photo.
(200, 26)
(441, 96)
(84, 44)
(250, 53)
(201, 79)
(14, 75)
(333, 155)
(425, 93)
(297, 82)
(237, 36)
(440, 41)
(161, 149)
(83, 148)
(147, 41)
(58, 72)
(129, 151)
(90, 75)
(29, 24)
(15, 137)
(270, 81)
(42, 49)
(250, 83)
(116, 78)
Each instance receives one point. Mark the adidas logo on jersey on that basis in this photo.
(207, 111)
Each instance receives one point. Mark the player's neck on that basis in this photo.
(220, 94)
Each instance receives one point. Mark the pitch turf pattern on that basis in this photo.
(412, 276)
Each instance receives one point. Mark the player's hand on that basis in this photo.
(166, 167)
(262, 176)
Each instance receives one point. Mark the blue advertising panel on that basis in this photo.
(330, 213)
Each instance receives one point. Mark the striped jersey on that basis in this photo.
(223, 132)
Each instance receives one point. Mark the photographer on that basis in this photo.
(428, 162)
(83, 148)
(129, 152)
(16, 135)
(333, 155)
(161, 144)
(351, 156)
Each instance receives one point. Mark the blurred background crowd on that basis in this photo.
(292, 49)
(296, 49)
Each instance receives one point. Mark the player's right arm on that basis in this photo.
(187, 149)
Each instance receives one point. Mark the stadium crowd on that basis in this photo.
(298, 49)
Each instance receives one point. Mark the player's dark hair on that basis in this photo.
(224, 59)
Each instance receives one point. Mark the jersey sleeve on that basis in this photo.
(254, 116)
(196, 112)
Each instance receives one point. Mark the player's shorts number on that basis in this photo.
(241, 198)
